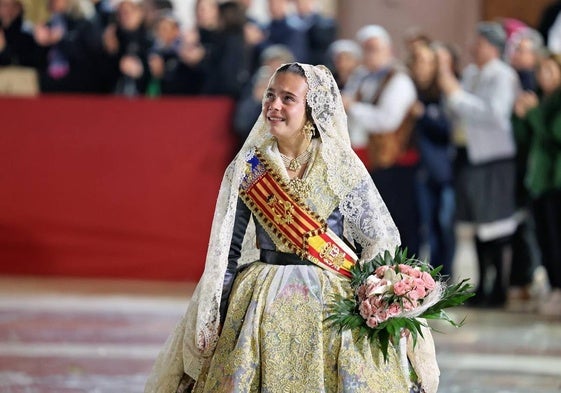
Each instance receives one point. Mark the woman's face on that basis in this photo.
(284, 107)
(548, 75)
(524, 56)
(483, 51)
(9, 10)
(377, 53)
(130, 15)
(423, 68)
(345, 63)
(207, 14)
(167, 31)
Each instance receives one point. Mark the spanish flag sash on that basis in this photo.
(286, 216)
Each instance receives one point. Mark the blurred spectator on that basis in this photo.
(320, 30)
(153, 9)
(207, 20)
(275, 56)
(345, 58)
(433, 138)
(415, 38)
(511, 26)
(17, 45)
(378, 99)
(103, 13)
(550, 26)
(164, 55)
(127, 44)
(523, 52)
(229, 64)
(70, 42)
(482, 106)
(248, 107)
(175, 60)
(191, 72)
(254, 35)
(283, 30)
(538, 125)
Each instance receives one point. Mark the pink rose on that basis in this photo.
(366, 310)
(394, 310)
(428, 281)
(372, 322)
(419, 286)
(409, 304)
(403, 286)
(417, 293)
(377, 302)
(409, 270)
(382, 315)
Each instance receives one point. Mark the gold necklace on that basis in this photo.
(300, 187)
(294, 164)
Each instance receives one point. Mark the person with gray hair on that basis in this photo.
(379, 98)
(481, 106)
(522, 51)
(345, 56)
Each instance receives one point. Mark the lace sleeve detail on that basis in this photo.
(367, 220)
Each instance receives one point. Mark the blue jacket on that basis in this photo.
(432, 133)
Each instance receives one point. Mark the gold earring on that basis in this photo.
(308, 129)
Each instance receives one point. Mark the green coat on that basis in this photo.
(538, 136)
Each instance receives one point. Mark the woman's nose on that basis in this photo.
(275, 103)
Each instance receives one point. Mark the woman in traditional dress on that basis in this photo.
(295, 210)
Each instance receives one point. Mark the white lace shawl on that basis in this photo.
(366, 221)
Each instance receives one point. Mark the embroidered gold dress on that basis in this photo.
(275, 338)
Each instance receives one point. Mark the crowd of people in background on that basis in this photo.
(480, 145)
(139, 47)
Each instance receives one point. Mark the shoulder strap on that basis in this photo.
(383, 85)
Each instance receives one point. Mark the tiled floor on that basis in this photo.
(78, 336)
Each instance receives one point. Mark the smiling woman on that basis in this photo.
(296, 210)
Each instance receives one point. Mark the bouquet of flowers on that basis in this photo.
(391, 294)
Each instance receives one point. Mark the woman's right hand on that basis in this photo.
(524, 102)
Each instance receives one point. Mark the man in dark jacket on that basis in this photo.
(17, 46)
(69, 42)
(319, 29)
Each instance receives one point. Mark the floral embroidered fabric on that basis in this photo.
(275, 339)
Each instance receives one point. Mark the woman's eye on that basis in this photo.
(289, 98)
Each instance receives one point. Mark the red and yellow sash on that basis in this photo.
(284, 215)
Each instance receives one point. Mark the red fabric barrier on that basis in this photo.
(110, 187)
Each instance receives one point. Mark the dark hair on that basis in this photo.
(232, 16)
(295, 68)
